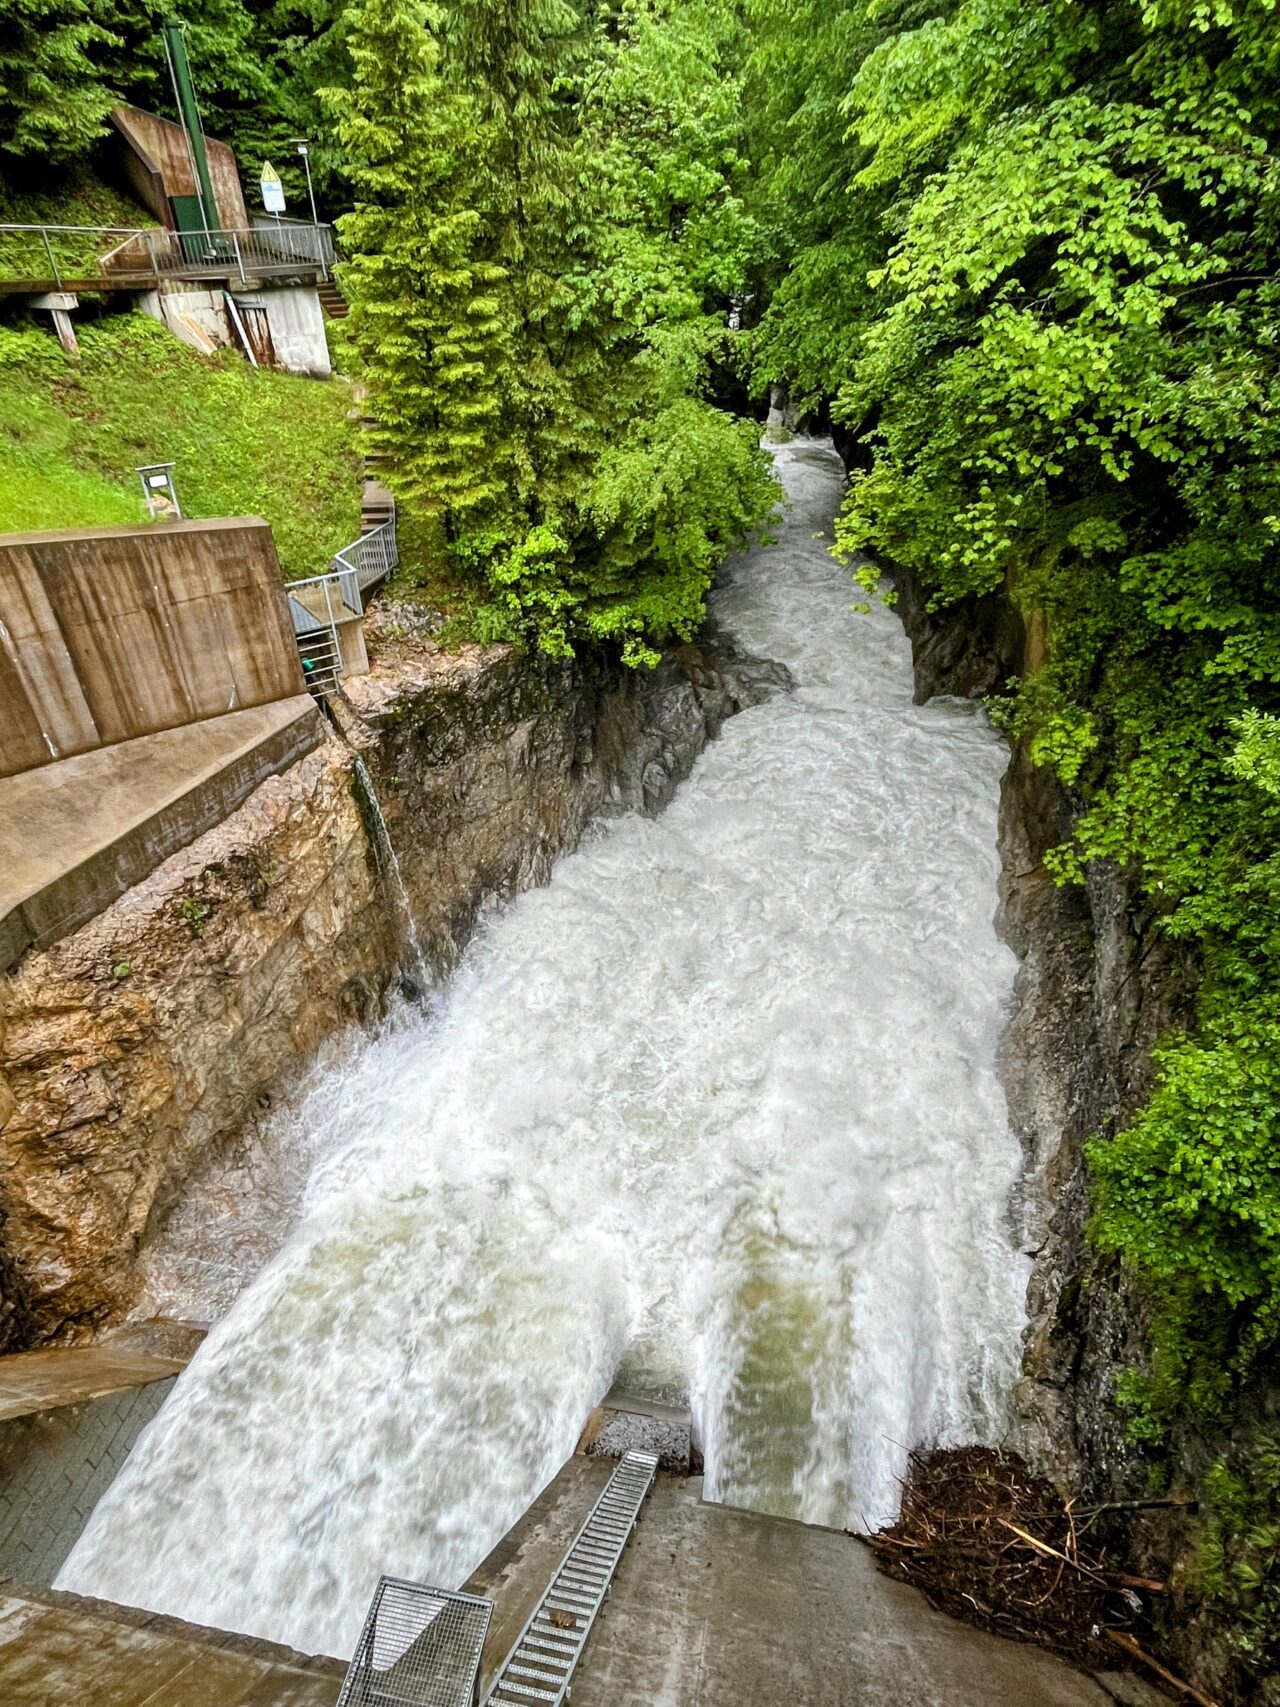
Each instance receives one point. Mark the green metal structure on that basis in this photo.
(185, 94)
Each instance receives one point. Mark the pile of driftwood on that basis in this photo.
(988, 1542)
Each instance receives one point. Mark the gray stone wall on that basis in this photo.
(54, 1468)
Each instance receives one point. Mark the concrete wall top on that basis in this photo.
(128, 530)
(111, 633)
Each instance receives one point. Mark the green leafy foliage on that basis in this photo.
(1048, 241)
(245, 443)
(1239, 1554)
(52, 102)
(548, 226)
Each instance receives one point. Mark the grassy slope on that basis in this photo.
(82, 201)
(245, 443)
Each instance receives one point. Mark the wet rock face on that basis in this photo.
(1097, 988)
(969, 650)
(134, 1046)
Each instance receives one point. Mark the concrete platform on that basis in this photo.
(59, 1650)
(77, 833)
(713, 1607)
(33, 1381)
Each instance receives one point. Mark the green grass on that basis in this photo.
(245, 442)
(83, 201)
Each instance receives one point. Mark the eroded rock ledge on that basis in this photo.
(134, 1046)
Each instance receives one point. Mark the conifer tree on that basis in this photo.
(538, 380)
(425, 311)
(53, 103)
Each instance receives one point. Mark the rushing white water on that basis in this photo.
(713, 1113)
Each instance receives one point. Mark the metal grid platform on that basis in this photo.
(420, 1647)
(540, 1667)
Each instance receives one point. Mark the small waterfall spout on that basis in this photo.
(416, 970)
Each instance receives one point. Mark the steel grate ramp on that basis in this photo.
(538, 1670)
(420, 1647)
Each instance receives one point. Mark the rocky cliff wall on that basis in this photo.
(1097, 987)
(132, 1047)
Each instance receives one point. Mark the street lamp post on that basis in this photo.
(303, 147)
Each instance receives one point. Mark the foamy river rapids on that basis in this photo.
(715, 1114)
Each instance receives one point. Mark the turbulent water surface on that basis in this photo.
(715, 1113)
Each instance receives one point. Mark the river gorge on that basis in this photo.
(713, 1113)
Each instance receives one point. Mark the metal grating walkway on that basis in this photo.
(538, 1670)
(420, 1647)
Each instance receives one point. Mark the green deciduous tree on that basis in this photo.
(545, 236)
(1050, 238)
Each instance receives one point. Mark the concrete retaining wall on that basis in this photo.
(298, 336)
(289, 334)
(158, 163)
(111, 633)
(54, 1468)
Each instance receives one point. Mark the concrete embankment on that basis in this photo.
(68, 1420)
(709, 1606)
(61, 1650)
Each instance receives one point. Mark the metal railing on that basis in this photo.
(420, 1647)
(307, 239)
(55, 252)
(118, 254)
(335, 599)
(319, 604)
(372, 557)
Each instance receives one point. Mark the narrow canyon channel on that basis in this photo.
(714, 1114)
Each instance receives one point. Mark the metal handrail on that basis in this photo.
(373, 556)
(88, 230)
(356, 567)
(249, 251)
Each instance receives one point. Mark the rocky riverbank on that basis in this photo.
(1097, 988)
(133, 1047)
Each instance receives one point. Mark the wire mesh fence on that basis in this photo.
(420, 1647)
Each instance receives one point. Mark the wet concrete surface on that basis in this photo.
(711, 1607)
(716, 1607)
(78, 832)
(58, 1650)
(68, 1375)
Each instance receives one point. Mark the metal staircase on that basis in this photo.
(538, 1670)
(321, 655)
(322, 606)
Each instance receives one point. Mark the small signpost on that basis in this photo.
(160, 492)
(272, 189)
